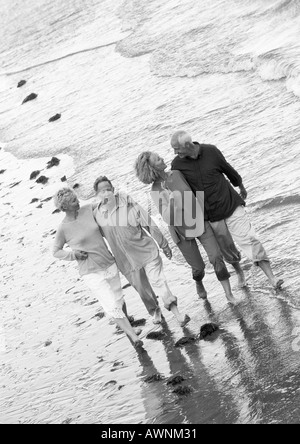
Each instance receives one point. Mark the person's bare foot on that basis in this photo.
(202, 293)
(157, 318)
(231, 299)
(184, 321)
(277, 284)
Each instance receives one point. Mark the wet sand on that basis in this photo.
(62, 362)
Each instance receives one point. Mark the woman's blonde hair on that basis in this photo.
(144, 171)
(62, 197)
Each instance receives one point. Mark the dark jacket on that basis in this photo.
(206, 173)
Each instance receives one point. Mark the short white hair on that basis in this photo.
(62, 197)
(180, 138)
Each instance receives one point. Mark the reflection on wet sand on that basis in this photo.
(247, 373)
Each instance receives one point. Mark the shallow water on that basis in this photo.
(125, 76)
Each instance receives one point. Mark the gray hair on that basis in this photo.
(62, 197)
(180, 138)
(144, 171)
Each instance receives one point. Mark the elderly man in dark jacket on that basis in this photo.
(204, 167)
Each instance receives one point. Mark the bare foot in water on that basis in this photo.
(157, 316)
(185, 321)
(242, 283)
(202, 293)
(231, 299)
(277, 284)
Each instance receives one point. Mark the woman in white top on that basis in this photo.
(97, 266)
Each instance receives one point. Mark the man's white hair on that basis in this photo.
(180, 138)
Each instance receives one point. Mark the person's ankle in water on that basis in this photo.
(182, 319)
(157, 317)
(274, 281)
(202, 293)
(228, 293)
(242, 282)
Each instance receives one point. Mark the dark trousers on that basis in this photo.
(210, 243)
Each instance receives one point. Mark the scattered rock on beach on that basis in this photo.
(54, 118)
(175, 380)
(21, 83)
(53, 162)
(43, 180)
(138, 323)
(34, 200)
(64, 179)
(2, 171)
(154, 378)
(99, 315)
(40, 206)
(14, 184)
(156, 335)
(185, 340)
(47, 199)
(48, 343)
(34, 175)
(207, 330)
(56, 211)
(31, 96)
(182, 391)
(76, 186)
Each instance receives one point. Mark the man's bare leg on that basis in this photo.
(240, 274)
(124, 324)
(202, 293)
(228, 292)
(274, 281)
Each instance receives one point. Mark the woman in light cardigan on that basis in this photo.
(168, 191)
(97, 266)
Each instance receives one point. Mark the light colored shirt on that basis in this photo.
(127, 228)
(179, 207)
(83, 234)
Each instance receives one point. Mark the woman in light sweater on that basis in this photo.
(97, 266)
(186, 223)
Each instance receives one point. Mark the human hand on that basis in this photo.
(81, 255)
(243, 192)
(168, 252)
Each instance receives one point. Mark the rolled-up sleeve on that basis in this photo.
(228, 170)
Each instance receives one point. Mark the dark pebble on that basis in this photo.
(138, 323)
(76, 186)
(99, 315)
(34, 200)
(43, 180)
(21, 83)
(185, 340)
(64, 179)
(14, 184)
(48, 343)
(56, 211)
(207, 330)
(182, 391)
(34, 175)
(2, 171)
(40, 206)
(54, 118)
(157, 335)
(110, 383)
(154, 378)
(53, 162)
(175, 380)
(30, 97)
(47, 199)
